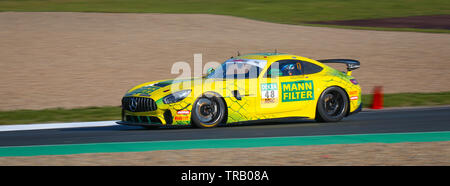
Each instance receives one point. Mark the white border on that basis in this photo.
(56, 125)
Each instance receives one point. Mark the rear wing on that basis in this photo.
(351, 63)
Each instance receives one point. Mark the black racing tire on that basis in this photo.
(332, 105)
(208, 111)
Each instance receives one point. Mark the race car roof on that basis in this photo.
(272, 57)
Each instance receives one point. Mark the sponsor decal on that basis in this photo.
(181, 118)
(269, 93)
(353, 95)
(353, 92)
(297, 91)
(183, 112)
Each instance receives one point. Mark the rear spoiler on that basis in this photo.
(351, 63)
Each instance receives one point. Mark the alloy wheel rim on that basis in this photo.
(207, 110)
(333, 104)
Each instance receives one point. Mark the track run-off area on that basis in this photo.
(383, 126)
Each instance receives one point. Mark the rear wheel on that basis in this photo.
(208, 111)
(332, 105)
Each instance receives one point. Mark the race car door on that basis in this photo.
(284, 89)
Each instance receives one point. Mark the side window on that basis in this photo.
(310, 68)
(284, 68)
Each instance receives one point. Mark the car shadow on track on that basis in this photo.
(284, 122)
(269, 122)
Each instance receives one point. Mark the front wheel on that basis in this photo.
(332, 105)
(208, 111)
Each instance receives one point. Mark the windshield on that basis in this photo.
(239, 69)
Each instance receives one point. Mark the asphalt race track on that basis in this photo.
(367, 122)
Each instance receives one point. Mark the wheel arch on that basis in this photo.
(346, 94)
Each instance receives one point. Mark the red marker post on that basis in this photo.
(377, 101)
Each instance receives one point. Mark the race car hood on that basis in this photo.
(157, 89)
(146, 89)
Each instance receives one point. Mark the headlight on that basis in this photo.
(176, 96)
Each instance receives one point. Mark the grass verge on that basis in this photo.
(113, 113)
(60, 115)
(410, 99)
(280, 11)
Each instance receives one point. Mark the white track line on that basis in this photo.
(56, 125)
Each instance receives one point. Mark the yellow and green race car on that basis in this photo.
(246, 88)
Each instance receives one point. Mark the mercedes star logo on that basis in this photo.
(133, 104)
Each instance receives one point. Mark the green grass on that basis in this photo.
(280, 11)
(411, 99)
(60, 115)
(113, 113)
(381, 28)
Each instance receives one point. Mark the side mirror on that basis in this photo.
(209, 71)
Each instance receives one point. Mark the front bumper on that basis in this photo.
(170, 115)
(137, 124)
(145, 118)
